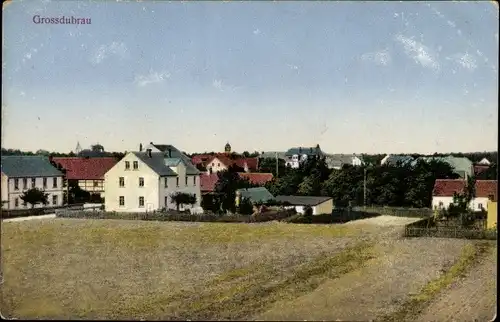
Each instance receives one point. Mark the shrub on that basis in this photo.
(246, 207)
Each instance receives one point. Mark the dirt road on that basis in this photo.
(473, 298)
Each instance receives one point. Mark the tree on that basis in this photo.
(182, 198)
(97, 148)
(229, 181)
(77, 194)
(34, 196)
(268, 165)
(245, 207)
(211, 202)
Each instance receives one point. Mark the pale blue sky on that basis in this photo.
(373, 77)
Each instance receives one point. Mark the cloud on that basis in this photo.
(465, 60)
(382, 57)
(418, 52)
(151, 78)
(104, 51)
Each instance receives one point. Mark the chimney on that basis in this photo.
(300, 150)
(169, 153)
(140, 147)
(311, 150)
(149, 153)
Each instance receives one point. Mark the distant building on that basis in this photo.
(337, 161)
(484, 161)
(460, 165)
(397, 160)
(21, 173)
(255, 195)
(294, 157)
(319, 205)
(444, 189)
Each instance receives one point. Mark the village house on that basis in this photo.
(145, 181)
(396, 160)
(88, 173)
(319, 205)
(337, 161)
(444, 189)
(294, 157)
(21, 173)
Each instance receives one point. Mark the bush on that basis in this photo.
(245, 207)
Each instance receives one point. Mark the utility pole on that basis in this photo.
(364, 188)
(276, 164)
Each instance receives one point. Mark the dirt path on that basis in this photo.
(404, 267)
(471, 299)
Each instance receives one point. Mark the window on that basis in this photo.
(141, 202)
(166, 202)
(218, 165)
(44, 183)
(127, 165)
(54, 200)
(441, 204)
(122, 201)
(25, 183)
(480, 206)
(136, 165)
(54, 182)
(141, 182)
(194, 180)
(33, 182)
(186, 180)
(122, 182)
(177, 181)
(16, 202)
(96, 183)
(166, 182)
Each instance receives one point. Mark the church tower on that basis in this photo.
(227, 148)
(78, 148)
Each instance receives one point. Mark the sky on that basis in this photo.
(353, 77)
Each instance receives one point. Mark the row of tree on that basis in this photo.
(385, 185)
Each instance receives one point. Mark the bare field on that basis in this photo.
(71, 268)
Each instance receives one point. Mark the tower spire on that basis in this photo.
(78, 148)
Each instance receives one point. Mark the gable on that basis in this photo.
(119, 168)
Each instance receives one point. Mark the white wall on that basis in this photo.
(216, 166)
(446, 201)
(192, 187)
(10, 194)
(356, 161)
(131, 191)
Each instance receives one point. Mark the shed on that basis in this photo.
(319, 205)
(255, 195)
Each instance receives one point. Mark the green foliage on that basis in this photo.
(211, 203)
(77, 194)
(182, 198)
(268, 165)
(245, 207)
(34, 196)
(490, 174)
(229, 181)
(308, 211)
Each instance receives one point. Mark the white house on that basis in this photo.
(336, 161)
(145, 181)
(319, 205)
(442, 195)
(21, 173)
(484, 161)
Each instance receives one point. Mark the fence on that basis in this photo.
(16, 213)
(397, 211)
(176, 216)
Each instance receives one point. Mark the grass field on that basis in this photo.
(70, 268)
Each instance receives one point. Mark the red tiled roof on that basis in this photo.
(252, 163)
(208, 182)
(257, 178)
(78, 168)
(200, 158)
(446, 188)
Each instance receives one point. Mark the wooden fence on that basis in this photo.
(16, 213)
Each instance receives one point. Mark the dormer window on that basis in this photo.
(127, 165)
(136, 165)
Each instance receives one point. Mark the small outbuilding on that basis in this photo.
(319, 205)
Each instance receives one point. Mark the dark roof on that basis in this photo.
(28, 166)
(85, 168)
(259, 194)
(399, 159)
(302, 200)
(177, 154)
(156, 162)
(304, 150)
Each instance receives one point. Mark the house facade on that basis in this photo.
(319, 205)
(87, 172)
(21, 173)
(220, 163)
(442, 195)
(337, 161)
(145, 181)
(294, 157)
